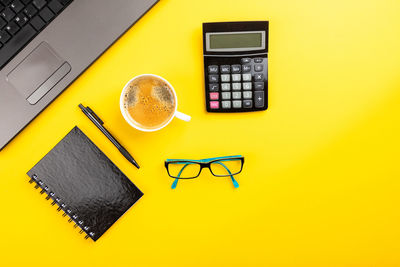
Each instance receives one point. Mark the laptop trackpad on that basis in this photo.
(38, 73)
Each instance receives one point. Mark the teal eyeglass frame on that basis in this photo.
(204, 163)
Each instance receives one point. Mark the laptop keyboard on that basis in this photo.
(22, 20)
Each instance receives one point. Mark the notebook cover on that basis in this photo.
(85, 184)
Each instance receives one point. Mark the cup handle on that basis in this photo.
(182, 116)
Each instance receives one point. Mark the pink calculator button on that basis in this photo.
(214, 104)
(214, 96)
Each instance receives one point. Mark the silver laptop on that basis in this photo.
(46, 44)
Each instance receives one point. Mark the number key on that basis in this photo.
(237, 104)
(247, 77)
(226, 104)
(236, 86)
(247, 86)
(225, 78)
(237, 95)
(247, 94)
(226, 95)
(226, 87)
(236, 77)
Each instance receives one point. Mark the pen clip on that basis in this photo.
(94, 115)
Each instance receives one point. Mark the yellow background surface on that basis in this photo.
(320, 185)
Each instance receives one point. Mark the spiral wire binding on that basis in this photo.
(61, 206)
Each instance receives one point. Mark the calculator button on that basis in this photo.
(236, 77)
(236, 86)
(246, 60)
(226, 95)
(214, 104)
(259, 86)
(226, 104)
(247, 95)
(213, 78)
(258, 77)
(214, 96)
(237, 104)
(246, 68)
(214, 87)
(236, 68)
(247, 103)
(225, 78)
(259, 99)
(258, 68)
(258, 60)
(246, 77)
(236, 95)
(226, 86)
(213, 69)
(225, 69)
(247, 86)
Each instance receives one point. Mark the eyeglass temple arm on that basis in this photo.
(175, 183)
(235, 183)
(226, 157)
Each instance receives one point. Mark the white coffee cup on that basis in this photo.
(127, 118)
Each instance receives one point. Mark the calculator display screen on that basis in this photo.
(235, 41)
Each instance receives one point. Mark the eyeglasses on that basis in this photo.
(190, 169)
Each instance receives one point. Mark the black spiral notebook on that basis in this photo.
(85, 184)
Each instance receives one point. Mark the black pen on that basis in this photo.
(99, 123)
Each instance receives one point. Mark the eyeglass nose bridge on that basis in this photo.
(205, 166)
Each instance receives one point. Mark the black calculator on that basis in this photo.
(236, 66)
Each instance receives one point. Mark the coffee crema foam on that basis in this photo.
(149, 102)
